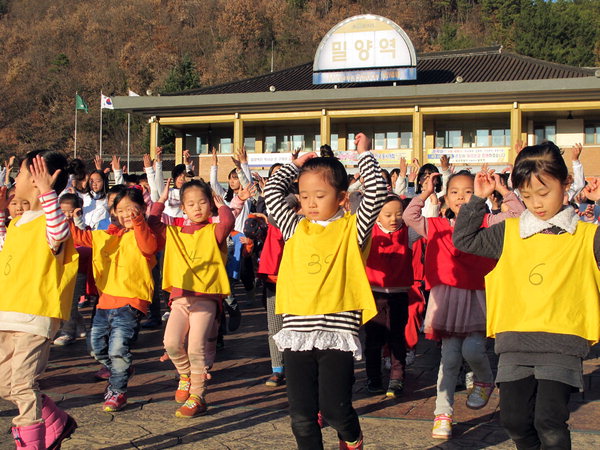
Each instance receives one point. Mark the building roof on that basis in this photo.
(489, 64)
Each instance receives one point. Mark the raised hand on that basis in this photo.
(218, 200)
(215, 160)
(98, 162)
(300, 161)
(592, 189)
(236, 160)
(403, 167)
(445, 162)
(519, 145)
(485, 184)
(158, 154)
(41, 177)
(501, 185)
(260, 180)
(115, 163)
(147, 161)
(576, 151)
(187, 158)
(295, 153)
(247, 192)
(164, 195)
(362, 143)
(428, 186)
(414, 170)
(243, 155)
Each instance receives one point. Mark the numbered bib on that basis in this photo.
(545, 283)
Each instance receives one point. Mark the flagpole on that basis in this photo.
(128, 139)
(75, 149)
(100, 124)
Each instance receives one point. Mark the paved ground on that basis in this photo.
(245, 414)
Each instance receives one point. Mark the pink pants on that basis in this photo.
(192, 319)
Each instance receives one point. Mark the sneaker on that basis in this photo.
(194, 406)
(442, 427)
(410, 357)
(103, 374)
(480, 395)
(394, 389)
(114, 401)
(358, 445)
(375, 387)
(183, 390)
(275, 380)
(469, 381)
(64, 339)
(235, 316)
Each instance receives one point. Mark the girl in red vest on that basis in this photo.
(389, 270)
(456, 309)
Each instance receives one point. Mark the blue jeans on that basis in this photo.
(111, 335)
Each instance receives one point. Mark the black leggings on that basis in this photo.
(320, 380)
(535, 413)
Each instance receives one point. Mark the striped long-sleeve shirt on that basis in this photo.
(325, 328)
(57, 226)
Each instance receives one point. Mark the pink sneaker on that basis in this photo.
(114, 401)
(103, 374)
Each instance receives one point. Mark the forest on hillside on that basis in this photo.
(52, 48)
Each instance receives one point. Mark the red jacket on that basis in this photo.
(445, 264)
(390, 260)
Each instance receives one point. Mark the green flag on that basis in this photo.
(80, 103)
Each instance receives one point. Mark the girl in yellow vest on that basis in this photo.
(38, 266)
(322, 289)
(543, 300)
(194, 273)
(122, 259)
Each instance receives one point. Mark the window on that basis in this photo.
(226, 145)
(482, 138)
(250, 144)
(592, 133)
(544, 132)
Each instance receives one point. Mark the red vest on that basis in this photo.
(270, 257)
(445, 264)
(390, 260)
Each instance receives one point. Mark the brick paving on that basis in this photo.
(244, 413)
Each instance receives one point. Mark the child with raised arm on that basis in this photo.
(543, 301)
(122, 258)
(194, 274)
(456, 309)
(322, 289)
(38, 265)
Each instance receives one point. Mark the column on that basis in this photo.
(516, 128)
(417, 134)
(178, 147)
(153, 138)
(325, 128)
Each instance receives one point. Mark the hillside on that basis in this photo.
(52, 48)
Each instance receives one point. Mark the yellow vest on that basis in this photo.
(545, 283)
(33, 280)
(322, 271)
(120, 268)
(195, 262)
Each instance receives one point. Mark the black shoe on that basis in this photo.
(152, 322)
(394, 389)
(235, 316)
(220, 343)
(375, 387)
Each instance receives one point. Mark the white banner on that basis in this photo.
(469, 155)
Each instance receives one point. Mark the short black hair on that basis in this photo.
(134, 194)
(537, 160)
(177, 171)
(55, 160)
(204, 187)
(74, 199)
(423, 170)
(326, 152)
(333, 170)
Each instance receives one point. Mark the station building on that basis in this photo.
(473, 105)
